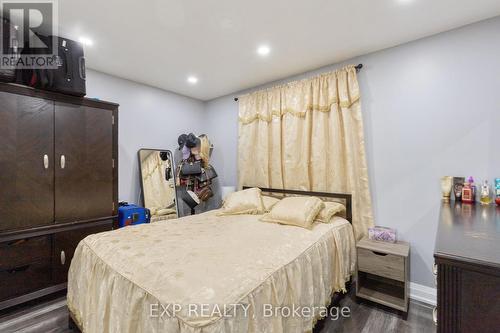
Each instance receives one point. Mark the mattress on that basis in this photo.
(209, 273)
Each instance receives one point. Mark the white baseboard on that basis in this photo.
(423, 294)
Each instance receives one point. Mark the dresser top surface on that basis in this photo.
(470, 232)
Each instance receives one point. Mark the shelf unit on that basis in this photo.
(383, 273)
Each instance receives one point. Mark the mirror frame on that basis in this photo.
(172, 162)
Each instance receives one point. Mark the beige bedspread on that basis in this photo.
(206, 273)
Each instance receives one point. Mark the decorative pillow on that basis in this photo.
(330, 210)
(269, 202)
(243, 202)
(298, 211)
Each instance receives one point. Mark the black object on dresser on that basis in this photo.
(58, 184)
(467, 255)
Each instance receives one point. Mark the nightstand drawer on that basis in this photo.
(387, 265)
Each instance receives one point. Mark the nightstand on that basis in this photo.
(383, 271)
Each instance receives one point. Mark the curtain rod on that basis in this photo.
(358, 68)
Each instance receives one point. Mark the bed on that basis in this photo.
(208, 273)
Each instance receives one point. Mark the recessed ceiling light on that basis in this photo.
(192, 79)
(86, 41)
(263, 50)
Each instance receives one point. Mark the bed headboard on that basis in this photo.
(343, 196)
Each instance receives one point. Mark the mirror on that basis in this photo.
(157, 171)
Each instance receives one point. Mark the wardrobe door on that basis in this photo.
(65, 244)
(84, 163)
(26, 161)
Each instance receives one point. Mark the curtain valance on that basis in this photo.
(319, 93)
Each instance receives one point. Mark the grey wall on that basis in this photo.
(431, 108)
(148, 118)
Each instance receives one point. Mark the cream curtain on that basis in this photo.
(307, 135)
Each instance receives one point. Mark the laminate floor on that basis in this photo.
(50, 315)
(366, 316)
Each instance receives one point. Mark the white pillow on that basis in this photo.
(330, 210)
(269, 202)
(243, 202)
(298, 211)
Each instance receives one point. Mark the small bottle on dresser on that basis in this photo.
(497, 191)
(467, 195)
(473, 187)
(485, 198)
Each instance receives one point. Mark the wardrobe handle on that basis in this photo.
(63, 161)
(435, 316)
(46, 161)
(63, 258)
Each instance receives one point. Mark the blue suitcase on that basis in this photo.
(130, 214)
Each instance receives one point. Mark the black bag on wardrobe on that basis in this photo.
(9, 38)
(67, 78)
(36, 78)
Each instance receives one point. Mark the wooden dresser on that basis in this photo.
(467, 255)
(58, 184)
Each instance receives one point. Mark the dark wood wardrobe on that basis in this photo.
(58, 184)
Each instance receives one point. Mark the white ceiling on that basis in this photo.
(162, 42)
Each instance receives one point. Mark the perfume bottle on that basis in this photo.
(446, 186)
(497, 191)
(467, 196)
(473, 187)
(485, 198)
(458, 183)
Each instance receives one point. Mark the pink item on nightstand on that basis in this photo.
(383, 234)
